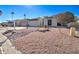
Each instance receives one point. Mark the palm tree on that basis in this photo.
(12, 13)
(24, 16)
(27, 20)
(0, 12)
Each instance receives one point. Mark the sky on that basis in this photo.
(34, 11)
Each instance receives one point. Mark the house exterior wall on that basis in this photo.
(54, 22)
(44, 21)
(21, 23)
(34, 23)
(41, 21)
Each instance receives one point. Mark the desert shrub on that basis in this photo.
(45, 26)
(74, 24)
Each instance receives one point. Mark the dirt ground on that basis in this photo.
(55, 41)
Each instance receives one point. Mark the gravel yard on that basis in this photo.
(55, 41)
(0, 51)
(18, 34)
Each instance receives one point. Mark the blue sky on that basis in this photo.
(33, 11)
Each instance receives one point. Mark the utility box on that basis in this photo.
(72, 31)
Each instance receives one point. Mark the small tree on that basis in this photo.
(66, 17)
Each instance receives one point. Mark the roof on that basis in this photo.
(48, 17)
(35, 19)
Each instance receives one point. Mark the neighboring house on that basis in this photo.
(4, 24)
(21, 23)
(27, 22)
(18, 22)
(0, 25)
(10, 23)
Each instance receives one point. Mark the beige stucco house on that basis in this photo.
(48, 21)
(43, 21)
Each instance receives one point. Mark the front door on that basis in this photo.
(49, 22)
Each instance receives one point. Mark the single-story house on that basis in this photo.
(41, 21)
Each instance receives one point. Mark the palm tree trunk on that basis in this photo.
(13, 22)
